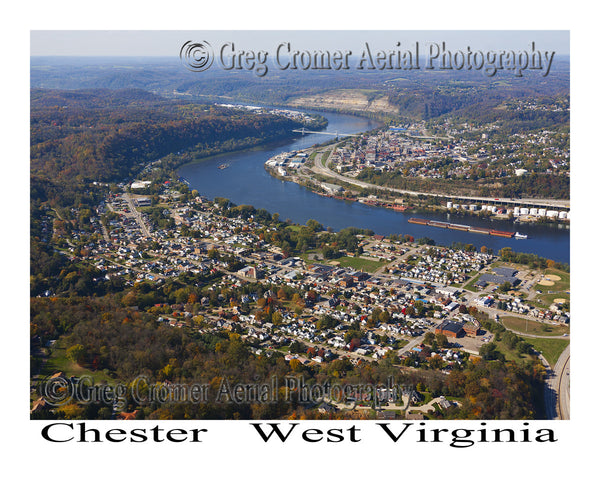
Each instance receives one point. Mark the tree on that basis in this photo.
(76, 353)
(314, 225)
(130, 299)
(281, 294)
(441, 340)
(419, 307)
(436, 362)
(277, 318)
(489, 351)
(295, 364)
(296, 347)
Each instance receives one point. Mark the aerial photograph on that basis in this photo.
(300, 225)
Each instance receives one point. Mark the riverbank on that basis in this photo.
(306, 177)
(247, 182)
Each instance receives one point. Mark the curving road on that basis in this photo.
(556, 390)
(563, 370)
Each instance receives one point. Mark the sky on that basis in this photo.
(168, 42)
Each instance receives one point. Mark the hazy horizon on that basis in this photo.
(166, 43)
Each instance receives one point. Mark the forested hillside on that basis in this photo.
(102, 135)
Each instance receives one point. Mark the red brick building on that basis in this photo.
(451, 328)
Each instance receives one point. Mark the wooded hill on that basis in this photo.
(104, 135)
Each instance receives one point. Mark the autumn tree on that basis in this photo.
(76, 353)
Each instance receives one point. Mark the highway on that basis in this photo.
(556, 389)
(563, 371)
(540, 203)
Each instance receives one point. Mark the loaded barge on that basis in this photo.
(464, 228)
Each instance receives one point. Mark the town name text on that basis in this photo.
(278, 432)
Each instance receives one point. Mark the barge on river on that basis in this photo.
(464, 228)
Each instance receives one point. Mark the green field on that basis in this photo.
(551, 348)
(401, 343)
(360, 263)
(512, 355)
(534, 328)
(470, 284)
(58, 362)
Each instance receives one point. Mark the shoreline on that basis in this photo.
(391, 204)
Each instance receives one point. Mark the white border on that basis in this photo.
(237, 450)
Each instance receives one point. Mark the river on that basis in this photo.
(246, 182)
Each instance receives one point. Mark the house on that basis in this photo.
(444, 403)
(248, 272)
(484, 301)
(143, 202)
(451, 306)
(326, 408)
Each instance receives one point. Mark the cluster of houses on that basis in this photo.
(419, 155)
(443, 266)
(417, 283)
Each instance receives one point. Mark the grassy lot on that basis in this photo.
(58, 362)
(551, 348)
(360, 263)
(325, 156)
(516, 266)
(535, 328)
(304, 256)
(512, 355)
(470, 285)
